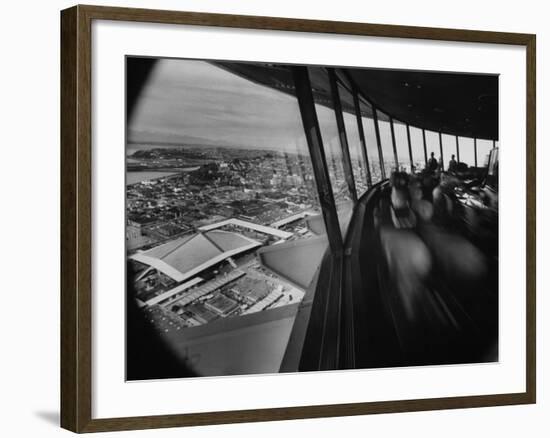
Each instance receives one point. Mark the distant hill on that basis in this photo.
(171, 138)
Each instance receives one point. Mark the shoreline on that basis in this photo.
(163, 173)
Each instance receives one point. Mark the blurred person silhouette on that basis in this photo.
(407, 256)
(426, 264)
(421, 207)
(443, 199)
(433, 165)
(452, 164)
(456, 257)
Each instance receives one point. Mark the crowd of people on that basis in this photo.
(418, 223)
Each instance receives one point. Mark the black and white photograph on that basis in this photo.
(291, 218)
(275, 219)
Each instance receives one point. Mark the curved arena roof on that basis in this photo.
(185, 257)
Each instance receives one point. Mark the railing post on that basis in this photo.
(475, 152)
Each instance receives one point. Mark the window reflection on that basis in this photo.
(370, 140)
(354, 143)
(386, 142)
(402, 145)
(432, 145)
(417, 146)
(214, 201)
(449, 149)
(492, 171)
(324, 108)
(467, 153)
(483, 149)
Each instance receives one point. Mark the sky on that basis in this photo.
(197, 99)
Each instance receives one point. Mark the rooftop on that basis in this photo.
(187, 256)
(251, 226)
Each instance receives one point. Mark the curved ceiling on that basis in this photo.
(454, 103)
(462, 104)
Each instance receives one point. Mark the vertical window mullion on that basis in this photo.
(318, 159)
(362, 136)
(441, 151)
(475, 152)
(395, 159)
(425, 147)
(410, 147)
(348, 170)
(378, 142)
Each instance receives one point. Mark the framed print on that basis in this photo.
(267, 218)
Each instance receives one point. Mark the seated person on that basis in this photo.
(400, 209)
(455, 257)
(399, 180)
(408, 259)
(428, 181)
(443, 198)
(422, 208)
(397, 212)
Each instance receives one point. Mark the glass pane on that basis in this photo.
(417, 146)
(483, 149)
(386, 141)
(449, 151)
(331, 144)
(432, 146)
(352, 134)
(466, 145)
(402, 145)
(370, 140)
(492, 171)
(220, 202)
